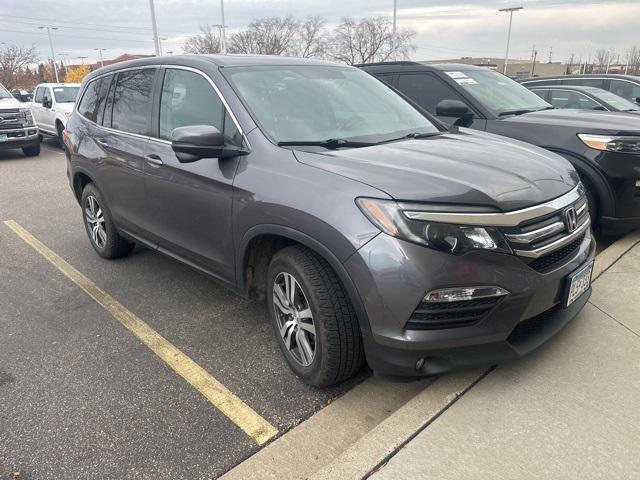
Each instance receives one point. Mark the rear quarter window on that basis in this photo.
(91, 105)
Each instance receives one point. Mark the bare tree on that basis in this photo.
(207, 41)
(266, 36)
(14, 61)
(311, 39)
(632, 58)
(603, 58)
(369, 40)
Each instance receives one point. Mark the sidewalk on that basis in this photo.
(570, 410)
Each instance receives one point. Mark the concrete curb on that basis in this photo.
(375, 448)
(607, 258)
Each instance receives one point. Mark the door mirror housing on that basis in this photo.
(453, 108)
(194, 142)
(637, 100)
(46, 102)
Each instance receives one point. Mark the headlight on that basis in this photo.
(389, 217)
(612, 143)
(28, 117)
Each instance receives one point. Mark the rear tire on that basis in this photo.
(336, 344)
(102, 232)
(32, 151)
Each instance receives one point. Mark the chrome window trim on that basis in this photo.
(542, 251)
(504, 219)
(156, 139)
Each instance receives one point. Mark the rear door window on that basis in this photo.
(427, 90)
(132, 98)
(586, 82)
(91, 105)
(39, 95)
(624, 89)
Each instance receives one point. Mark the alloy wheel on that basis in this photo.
(294, 317)
(94, 217)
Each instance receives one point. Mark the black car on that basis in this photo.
(588, 98)
(625, 86)
(368, 227)
(604, 147)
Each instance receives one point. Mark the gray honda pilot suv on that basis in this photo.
(371, 229)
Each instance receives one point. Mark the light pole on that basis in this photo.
(156, 41)
(101, 50)
(53, 55)
(223, 40)
(510, 10)
(82, 59)
(160, 39)
(220, 28)
(393, 34)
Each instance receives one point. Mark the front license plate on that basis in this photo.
(578, 283)
(3, 137)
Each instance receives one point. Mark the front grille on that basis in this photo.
(432, 316)
(533, 327)
(557, 257)
(530, 239)
(12, 118)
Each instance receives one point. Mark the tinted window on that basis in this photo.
(65, 94)
(426, 90)
(132, 101)
(39, 95)
(388, 79)
(188, 99)
(531, 83)
(92, 104)
(628, 90)
(568, 99)
(585, 82)
(541, 93)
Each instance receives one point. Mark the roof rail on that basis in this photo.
(399, 62)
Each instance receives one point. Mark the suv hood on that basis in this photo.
(468, 168)
(595, 121)
(12, 103)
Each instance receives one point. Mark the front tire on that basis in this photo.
(60, 129)
(102, 232)
(32, 151)
(313, 318)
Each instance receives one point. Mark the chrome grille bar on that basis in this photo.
(550, 247)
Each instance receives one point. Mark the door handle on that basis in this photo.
(154, 159)
(102, 142)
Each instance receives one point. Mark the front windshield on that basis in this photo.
(4, 93)
(304, 103)
(498, 93)
(614, 100)
(65, 94)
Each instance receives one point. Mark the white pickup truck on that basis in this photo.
(17, 126)
(51, 106)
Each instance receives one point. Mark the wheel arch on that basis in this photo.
(596, 180)
(80, 180)
(269, 238)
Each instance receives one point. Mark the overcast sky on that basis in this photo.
(445, 29)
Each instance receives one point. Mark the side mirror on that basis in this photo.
(452, 108)
(637, 100)
(194, 142)
(46, 102)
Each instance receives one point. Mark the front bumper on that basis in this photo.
(392, 277)
(20, 138)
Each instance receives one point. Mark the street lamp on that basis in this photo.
(101, 50)
(220, 28)
(156, 41)
(53, 55)
(510, 10)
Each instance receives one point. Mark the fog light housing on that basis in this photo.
(457, 294)
(32, 132)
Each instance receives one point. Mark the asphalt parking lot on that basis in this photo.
(82, 396)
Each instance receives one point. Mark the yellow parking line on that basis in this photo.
(220, 397)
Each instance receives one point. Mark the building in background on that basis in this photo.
(515, 68)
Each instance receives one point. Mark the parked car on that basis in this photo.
(52, 104)
(369, 227)
(588, 98)
(625, 86)
(604, 147)
(17, 127)
(22, 95)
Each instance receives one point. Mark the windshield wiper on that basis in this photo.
(331, 143)
(515, 112)
(422, 135)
